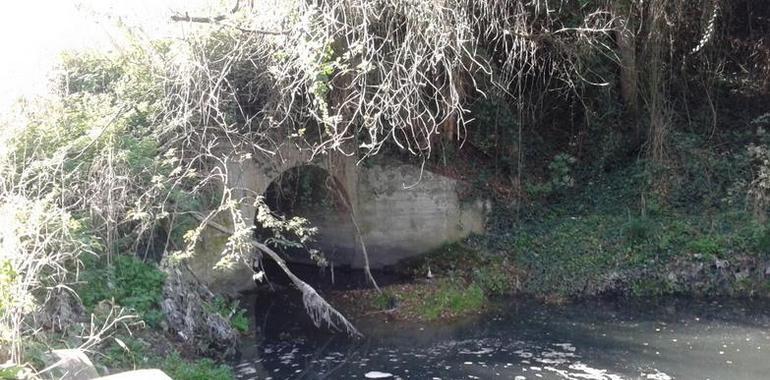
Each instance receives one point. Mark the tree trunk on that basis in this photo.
(626, 40)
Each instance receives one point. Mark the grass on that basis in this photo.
(598, 253)
(464, 280)
(442, 299)
(448, 300)
(202, 369)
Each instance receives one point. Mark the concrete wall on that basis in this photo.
(400, 215)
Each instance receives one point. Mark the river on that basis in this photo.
(670, 338)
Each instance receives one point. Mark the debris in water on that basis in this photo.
(482, 351)
(378, 375)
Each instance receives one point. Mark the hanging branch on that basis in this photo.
(218, 20)
(318, 309)
(359, 235)
(207, 20)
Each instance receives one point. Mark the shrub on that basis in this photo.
(124, 353)
(38, 240)
(707, 245)
(561, 172)
(128, 282)
(493, 280)
(762, 244)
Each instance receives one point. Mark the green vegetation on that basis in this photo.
(624, 146)
(624, 231)
(451, 298)
(202, 369)
(591, 243)
(126, 281)
(231, 312)
(131, 352)
(494, 280)
(446, 298)
(93, 192)
(385, 301)
(465, 278)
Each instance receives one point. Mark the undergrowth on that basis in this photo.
(132, 351)
(125, 281)
(613, 235)
(463, 280)
(202, 369)
(232, 312)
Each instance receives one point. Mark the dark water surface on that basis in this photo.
(640, 339)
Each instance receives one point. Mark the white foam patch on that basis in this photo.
(657, 376)
(580, 371)
(378, 375)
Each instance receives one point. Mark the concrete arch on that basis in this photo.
(396, 221)
(251, 177)
(336, 238)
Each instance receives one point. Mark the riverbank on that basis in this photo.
(584, 244)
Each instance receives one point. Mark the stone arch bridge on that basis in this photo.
(401, 210)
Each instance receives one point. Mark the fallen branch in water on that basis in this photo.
(316, 306)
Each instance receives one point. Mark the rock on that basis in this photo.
(378, 375)
(144, 374)
(70, 365)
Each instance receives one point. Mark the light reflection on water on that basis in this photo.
(601, 340)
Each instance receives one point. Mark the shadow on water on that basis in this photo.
(277, 306)
(668, 338)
